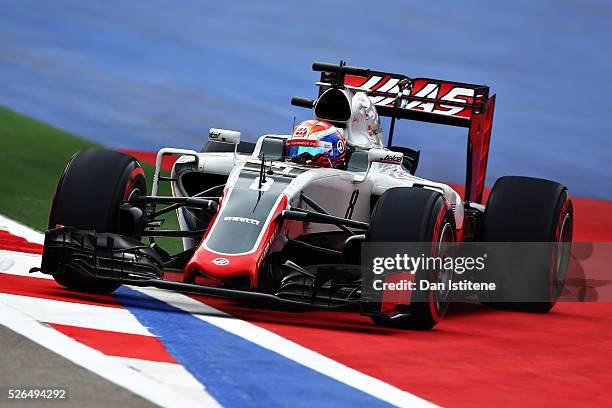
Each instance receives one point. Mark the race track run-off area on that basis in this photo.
(172, 349)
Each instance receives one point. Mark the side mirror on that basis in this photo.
(385, 156)
(379, 156)
(224, 136)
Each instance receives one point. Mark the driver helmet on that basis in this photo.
(318, 143)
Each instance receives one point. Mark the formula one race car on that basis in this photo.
(285, 219)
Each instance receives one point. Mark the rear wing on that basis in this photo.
(426, 100)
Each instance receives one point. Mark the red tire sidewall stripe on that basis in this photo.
(138, 171)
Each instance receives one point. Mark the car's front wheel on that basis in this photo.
(89, 191)
(416, 215)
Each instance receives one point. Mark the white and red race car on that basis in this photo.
(259, 226)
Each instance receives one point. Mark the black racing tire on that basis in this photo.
(411, 214)
(89, 191)
(218, 147)
(527, 209)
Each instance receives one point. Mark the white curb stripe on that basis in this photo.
(21, 230)
(20, 263)
(76, 314)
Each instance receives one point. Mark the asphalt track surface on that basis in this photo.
(145, 74)
(26, 364)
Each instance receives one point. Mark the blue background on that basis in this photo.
(146, 74)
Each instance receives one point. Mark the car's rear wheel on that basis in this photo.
(90, 189)
(416, 215)
(529, 210)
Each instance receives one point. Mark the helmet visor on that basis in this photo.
(296, 147)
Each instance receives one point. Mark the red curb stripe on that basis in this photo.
(49, 289)
(118, 344)
(10, 242)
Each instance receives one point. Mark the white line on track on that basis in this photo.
(173, 375)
